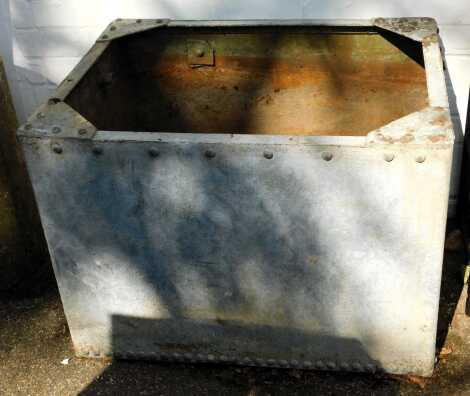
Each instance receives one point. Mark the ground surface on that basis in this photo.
(34, 340)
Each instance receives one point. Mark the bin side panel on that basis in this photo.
(288, 261)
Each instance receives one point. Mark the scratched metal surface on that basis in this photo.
(289, 261)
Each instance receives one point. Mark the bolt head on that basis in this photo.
(268, 155)
(112, 28)
(97, 150)
(56, 130)
(40, 116)
(139, 20)
(82, 131)
(28, 127)
(105, 36)
(327, 156)
(209, 154)
(389, 157)
(420, 159)
(153, 152)
(57, 148)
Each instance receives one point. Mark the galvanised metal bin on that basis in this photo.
(268, 193)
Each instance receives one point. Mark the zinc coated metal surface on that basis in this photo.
(293, 260)
(284, 251)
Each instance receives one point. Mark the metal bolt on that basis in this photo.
(139, 20)
(153, 152)
(357, 366)
(420, 159)
(82, 131)
(97, 150)
(331, 365)
(158, 21)
(57, 148)
(40, 116)
(344, 366)
(319, 364)
(389, 157)
(28, 127)
(53, 101)
(209, 154)
(56, 129)
(327, 156)
(112, 28)
(105, 36)
(199, 52)
(268, 155)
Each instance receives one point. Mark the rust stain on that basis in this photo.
(438, 138)
(407, 138)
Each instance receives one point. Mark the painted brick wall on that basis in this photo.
(43, 39)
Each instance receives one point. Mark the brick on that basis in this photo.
(456, 39)
(56, 69)
(455, 12)
(260, 9)
(29, 42)
(21, 14)
(67, 42)
(458, 67)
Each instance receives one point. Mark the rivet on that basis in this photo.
(153, 152)
(139, 20)
(53, 101)
(56, 129)
(319, 364)
(209, 154)
(105, 36)
(271, 362)
(268, 155)
(307, 364)
(28, 127)
(112, 28)
(331, 365)
(40, 115)
(223, 358)
(283, 362)
(199, 52)
(157, 21)
(389, 157)
(57, 148)
(344, 366)
(210, 358)
(420, 159)
(97, 150)
(82, 131)
(357, 366)
(294, 363)
(327, 156)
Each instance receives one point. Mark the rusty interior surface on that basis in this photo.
(283, 80)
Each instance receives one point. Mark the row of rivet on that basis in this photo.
(209, 358)
(153, 152)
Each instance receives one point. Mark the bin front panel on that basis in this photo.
(279, 254)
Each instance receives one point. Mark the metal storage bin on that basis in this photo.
(268, 193)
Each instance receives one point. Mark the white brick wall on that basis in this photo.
(43, 39)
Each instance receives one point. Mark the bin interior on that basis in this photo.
(255, 80)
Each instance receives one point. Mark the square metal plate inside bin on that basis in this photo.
(269, 193)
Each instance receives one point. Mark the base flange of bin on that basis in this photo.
(285, 251)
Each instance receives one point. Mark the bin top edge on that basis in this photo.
(415, 28)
